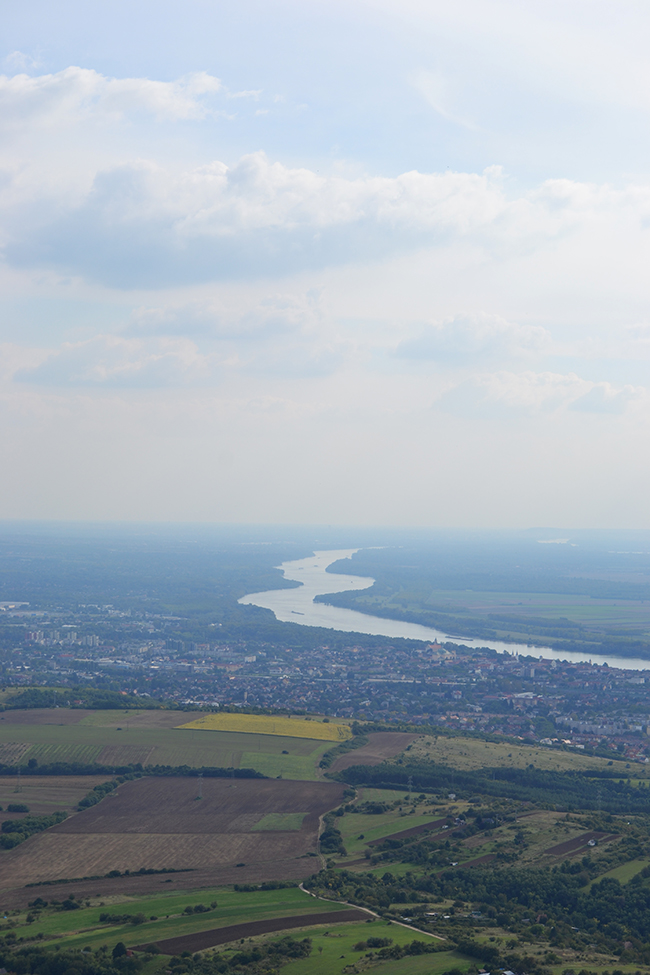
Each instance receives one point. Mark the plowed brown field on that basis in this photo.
(577, 843)
(381, 745)
(235, 932)
(153, 823)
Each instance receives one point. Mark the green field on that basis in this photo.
(76, 929)
(624, 873)
(581, 609)
(544, 618)
(485, 603)
(81, 928)
(341, 941)
(149, 737)
(404, 815)
(377, 827)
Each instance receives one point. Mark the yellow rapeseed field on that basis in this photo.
(268, 724)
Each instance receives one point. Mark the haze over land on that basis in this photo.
(349, 263)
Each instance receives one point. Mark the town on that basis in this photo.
(560, 704)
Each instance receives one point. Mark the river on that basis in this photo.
(298, 606)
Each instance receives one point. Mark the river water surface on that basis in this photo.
(298, 606)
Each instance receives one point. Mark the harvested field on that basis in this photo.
(281, 821)
(381, 745)
(47, 793)
(132, 720)
(170, 805)
(44, 716)
(413, 831)
(127, 755)
(154, 823)
(270, 724)
(577, 843)
(46, 752)
(221, 936)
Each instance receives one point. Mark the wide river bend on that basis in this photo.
(298, 606)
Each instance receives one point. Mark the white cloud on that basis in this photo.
(19, 61)
(15, 357)
(147, 223)
(585, 52)
(275, 315)
(108, 360)
(75, 95)
(142, 225)
(196, 344)
(466, 339)
(501, 394)
(435, 88)
(604, 398)
(220, 358)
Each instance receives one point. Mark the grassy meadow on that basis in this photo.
(330, 945)
(467, 754)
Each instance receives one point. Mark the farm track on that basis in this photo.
(251, 929)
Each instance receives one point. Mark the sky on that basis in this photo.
(365, 262)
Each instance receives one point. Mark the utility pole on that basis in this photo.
(200, 795)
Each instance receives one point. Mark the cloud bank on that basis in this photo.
(305, 333)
